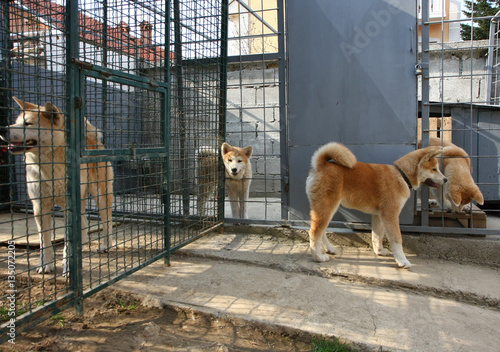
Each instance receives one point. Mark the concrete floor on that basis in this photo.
(271, 279)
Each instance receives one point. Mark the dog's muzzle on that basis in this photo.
(16, 147)
(431, 183)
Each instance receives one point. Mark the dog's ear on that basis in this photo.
(248, 151)
(432, 152)
(225, 148)
(24, 105)
(53, 113)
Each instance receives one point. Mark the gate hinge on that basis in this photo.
(82, 64)
(78, 102)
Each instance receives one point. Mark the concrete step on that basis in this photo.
(437, 305)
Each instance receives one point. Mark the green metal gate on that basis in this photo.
(141, 87)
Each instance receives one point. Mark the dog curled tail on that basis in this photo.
(333, 152)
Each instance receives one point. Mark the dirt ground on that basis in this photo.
(114, 322)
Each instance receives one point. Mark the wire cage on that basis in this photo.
(105, 107)
(256, 108)
(458, 94)
(453, 104)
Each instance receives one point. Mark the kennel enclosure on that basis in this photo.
(151, 77)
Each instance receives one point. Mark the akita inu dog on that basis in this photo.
(39, 133)
(207, 159)
(337, 178)
(238, 176)
(460, 189)
(238, 171)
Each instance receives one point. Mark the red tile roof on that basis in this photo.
(118, 38)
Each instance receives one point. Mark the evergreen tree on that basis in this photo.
(479, 8)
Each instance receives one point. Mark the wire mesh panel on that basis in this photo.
(197, 117)
(256, 107)
(122, 50)
(493, 65)
(33, 172)
(98, 153)
(458, 85)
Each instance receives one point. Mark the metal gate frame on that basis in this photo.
(76, 74)
(426, 105)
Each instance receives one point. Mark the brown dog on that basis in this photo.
(460, 189)
(39, 133)
(337, 178)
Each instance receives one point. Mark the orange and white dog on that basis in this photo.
(460, 189)
(40, 134)
(238, 170)
(238, 176)
(337, 178)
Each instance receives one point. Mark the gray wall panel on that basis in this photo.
(351, 79)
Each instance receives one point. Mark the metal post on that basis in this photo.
(491, 52)
(73, 154)
(222, 105)
(180, 107)
(165, 123)
(5, 97)
(424, 213)
(284, 162)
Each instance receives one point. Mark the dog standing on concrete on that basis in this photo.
(238, 176)
(238, 170)
(39, 133)
(337, 178)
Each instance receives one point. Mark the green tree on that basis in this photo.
(479, 8)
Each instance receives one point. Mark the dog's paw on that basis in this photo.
(405, 264)
(466, 208)
(47, 268)
(382, 251)
(103, 249)
(331, 249)
(321, 257)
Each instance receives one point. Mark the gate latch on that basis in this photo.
(133, 151)
(418, 69)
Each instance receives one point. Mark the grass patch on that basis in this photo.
(58, 319)
(4, 312)
(124, 306)
(330, 345)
